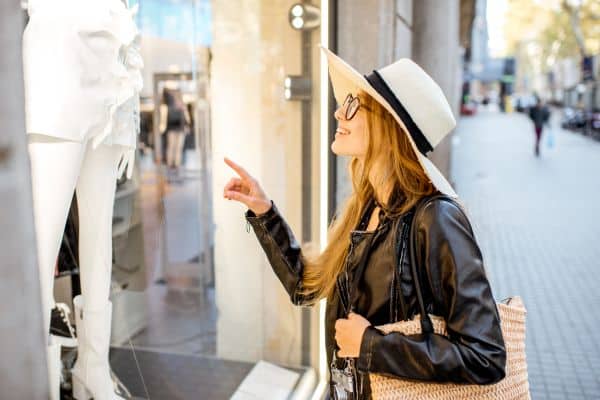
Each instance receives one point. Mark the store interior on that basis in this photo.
(173, 332)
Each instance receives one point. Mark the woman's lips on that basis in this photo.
(342, 131)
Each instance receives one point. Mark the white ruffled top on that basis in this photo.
(82, 71)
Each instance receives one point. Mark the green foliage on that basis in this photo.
(554, 25)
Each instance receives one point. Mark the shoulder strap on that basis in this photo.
(426, 325)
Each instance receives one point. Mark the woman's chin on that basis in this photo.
(339, 152)
(335, 148)
(342, 148)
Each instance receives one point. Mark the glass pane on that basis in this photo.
(202, 297)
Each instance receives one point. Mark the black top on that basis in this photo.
(539, 115)
(175, 119)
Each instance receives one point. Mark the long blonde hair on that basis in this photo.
(389, 156)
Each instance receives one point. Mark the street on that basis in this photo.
(537, 221)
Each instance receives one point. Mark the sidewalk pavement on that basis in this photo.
(537, 221)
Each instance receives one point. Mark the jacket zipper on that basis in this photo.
(403, 240)
(345, 271)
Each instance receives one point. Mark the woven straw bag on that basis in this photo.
(515, 384)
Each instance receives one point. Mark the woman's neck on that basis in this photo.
(383, 192)
(383, 186)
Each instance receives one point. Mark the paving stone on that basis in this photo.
(537, 221)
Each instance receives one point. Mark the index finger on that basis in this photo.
(237, 168)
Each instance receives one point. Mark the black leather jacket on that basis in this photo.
(454, 285)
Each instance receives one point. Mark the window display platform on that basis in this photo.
(180, 377)
(174, 376)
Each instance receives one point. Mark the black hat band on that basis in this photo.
(379, 84)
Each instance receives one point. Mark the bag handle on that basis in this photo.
(426, 324)
(398, 298)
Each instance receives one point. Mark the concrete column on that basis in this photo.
(403, 29)
(366, 33)
(367, 41)
(23, 340)
(254, 49)
(436, 49)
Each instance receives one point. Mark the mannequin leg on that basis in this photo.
(95, 199)
(55, 166)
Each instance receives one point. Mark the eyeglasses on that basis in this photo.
(351, 104)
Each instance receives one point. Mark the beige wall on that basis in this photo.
(254, 49)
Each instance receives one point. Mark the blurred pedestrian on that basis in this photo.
(175, 121)
(540, 115)
(387, 122)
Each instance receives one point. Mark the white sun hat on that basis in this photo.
(411, 96)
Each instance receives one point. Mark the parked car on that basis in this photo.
(596, 121)
(469, 108)
(573, 119)
(523, 102)
(585, 122)
(595, 125)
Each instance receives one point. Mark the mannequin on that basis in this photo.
(82, 82)
(57, 168)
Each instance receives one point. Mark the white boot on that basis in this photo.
(54, 370)
(91, 373)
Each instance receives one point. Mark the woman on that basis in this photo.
(386, 123)
(539, 115)
(175, 120)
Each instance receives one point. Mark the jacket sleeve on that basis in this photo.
(474, 351)
(282, 250)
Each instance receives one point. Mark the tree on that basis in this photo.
(562, 28)
(577, 13)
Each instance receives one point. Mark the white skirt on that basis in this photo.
(82, 71)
